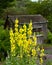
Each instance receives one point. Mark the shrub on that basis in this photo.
(24, 48)
(49, 38)
(1, 22)
(4, 42)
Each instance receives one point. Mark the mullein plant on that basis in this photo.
(24, 47)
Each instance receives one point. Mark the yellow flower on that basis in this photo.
(21, 30)
(29, 41)
(16, 21)
(16, 34)
(11, 32)
(35, 39)
(30, 25)
(12, 41)
(42, 54)
(33, 52)
(13, 47)
(16, 25)
(16, 30)
(25, 45)
(24, 36)
(20, 36)
(42, 50)
(24, 28)
(41, 61)
(38, 49)
(20, 43)
(29, 32)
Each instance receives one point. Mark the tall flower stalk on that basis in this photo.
(24, 45)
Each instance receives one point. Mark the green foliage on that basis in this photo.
(17, 61)
(50, 22)
(49, 38)
(20, 7)
(4, 42)
(49, 62)
(4, 4)
(1, 22)
(45, 8)
(42, 7)
(12, 61)
(48, 51)
(32, 8)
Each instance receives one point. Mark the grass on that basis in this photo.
(49, 62)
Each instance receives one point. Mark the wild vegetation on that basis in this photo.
(23, 7)
(24, 49)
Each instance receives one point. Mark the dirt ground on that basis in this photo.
(0, 63)
(48, 51)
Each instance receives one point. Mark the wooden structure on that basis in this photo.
(39, 24)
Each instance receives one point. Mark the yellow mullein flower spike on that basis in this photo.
(42, 50)
(29, 32)
(38, 49)
(29, 41)
(30, 25)
(41, 61)
(24, 26)
(16, 21)
(21, 30)
(20, 43)
(25, 43)
(33, 52)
